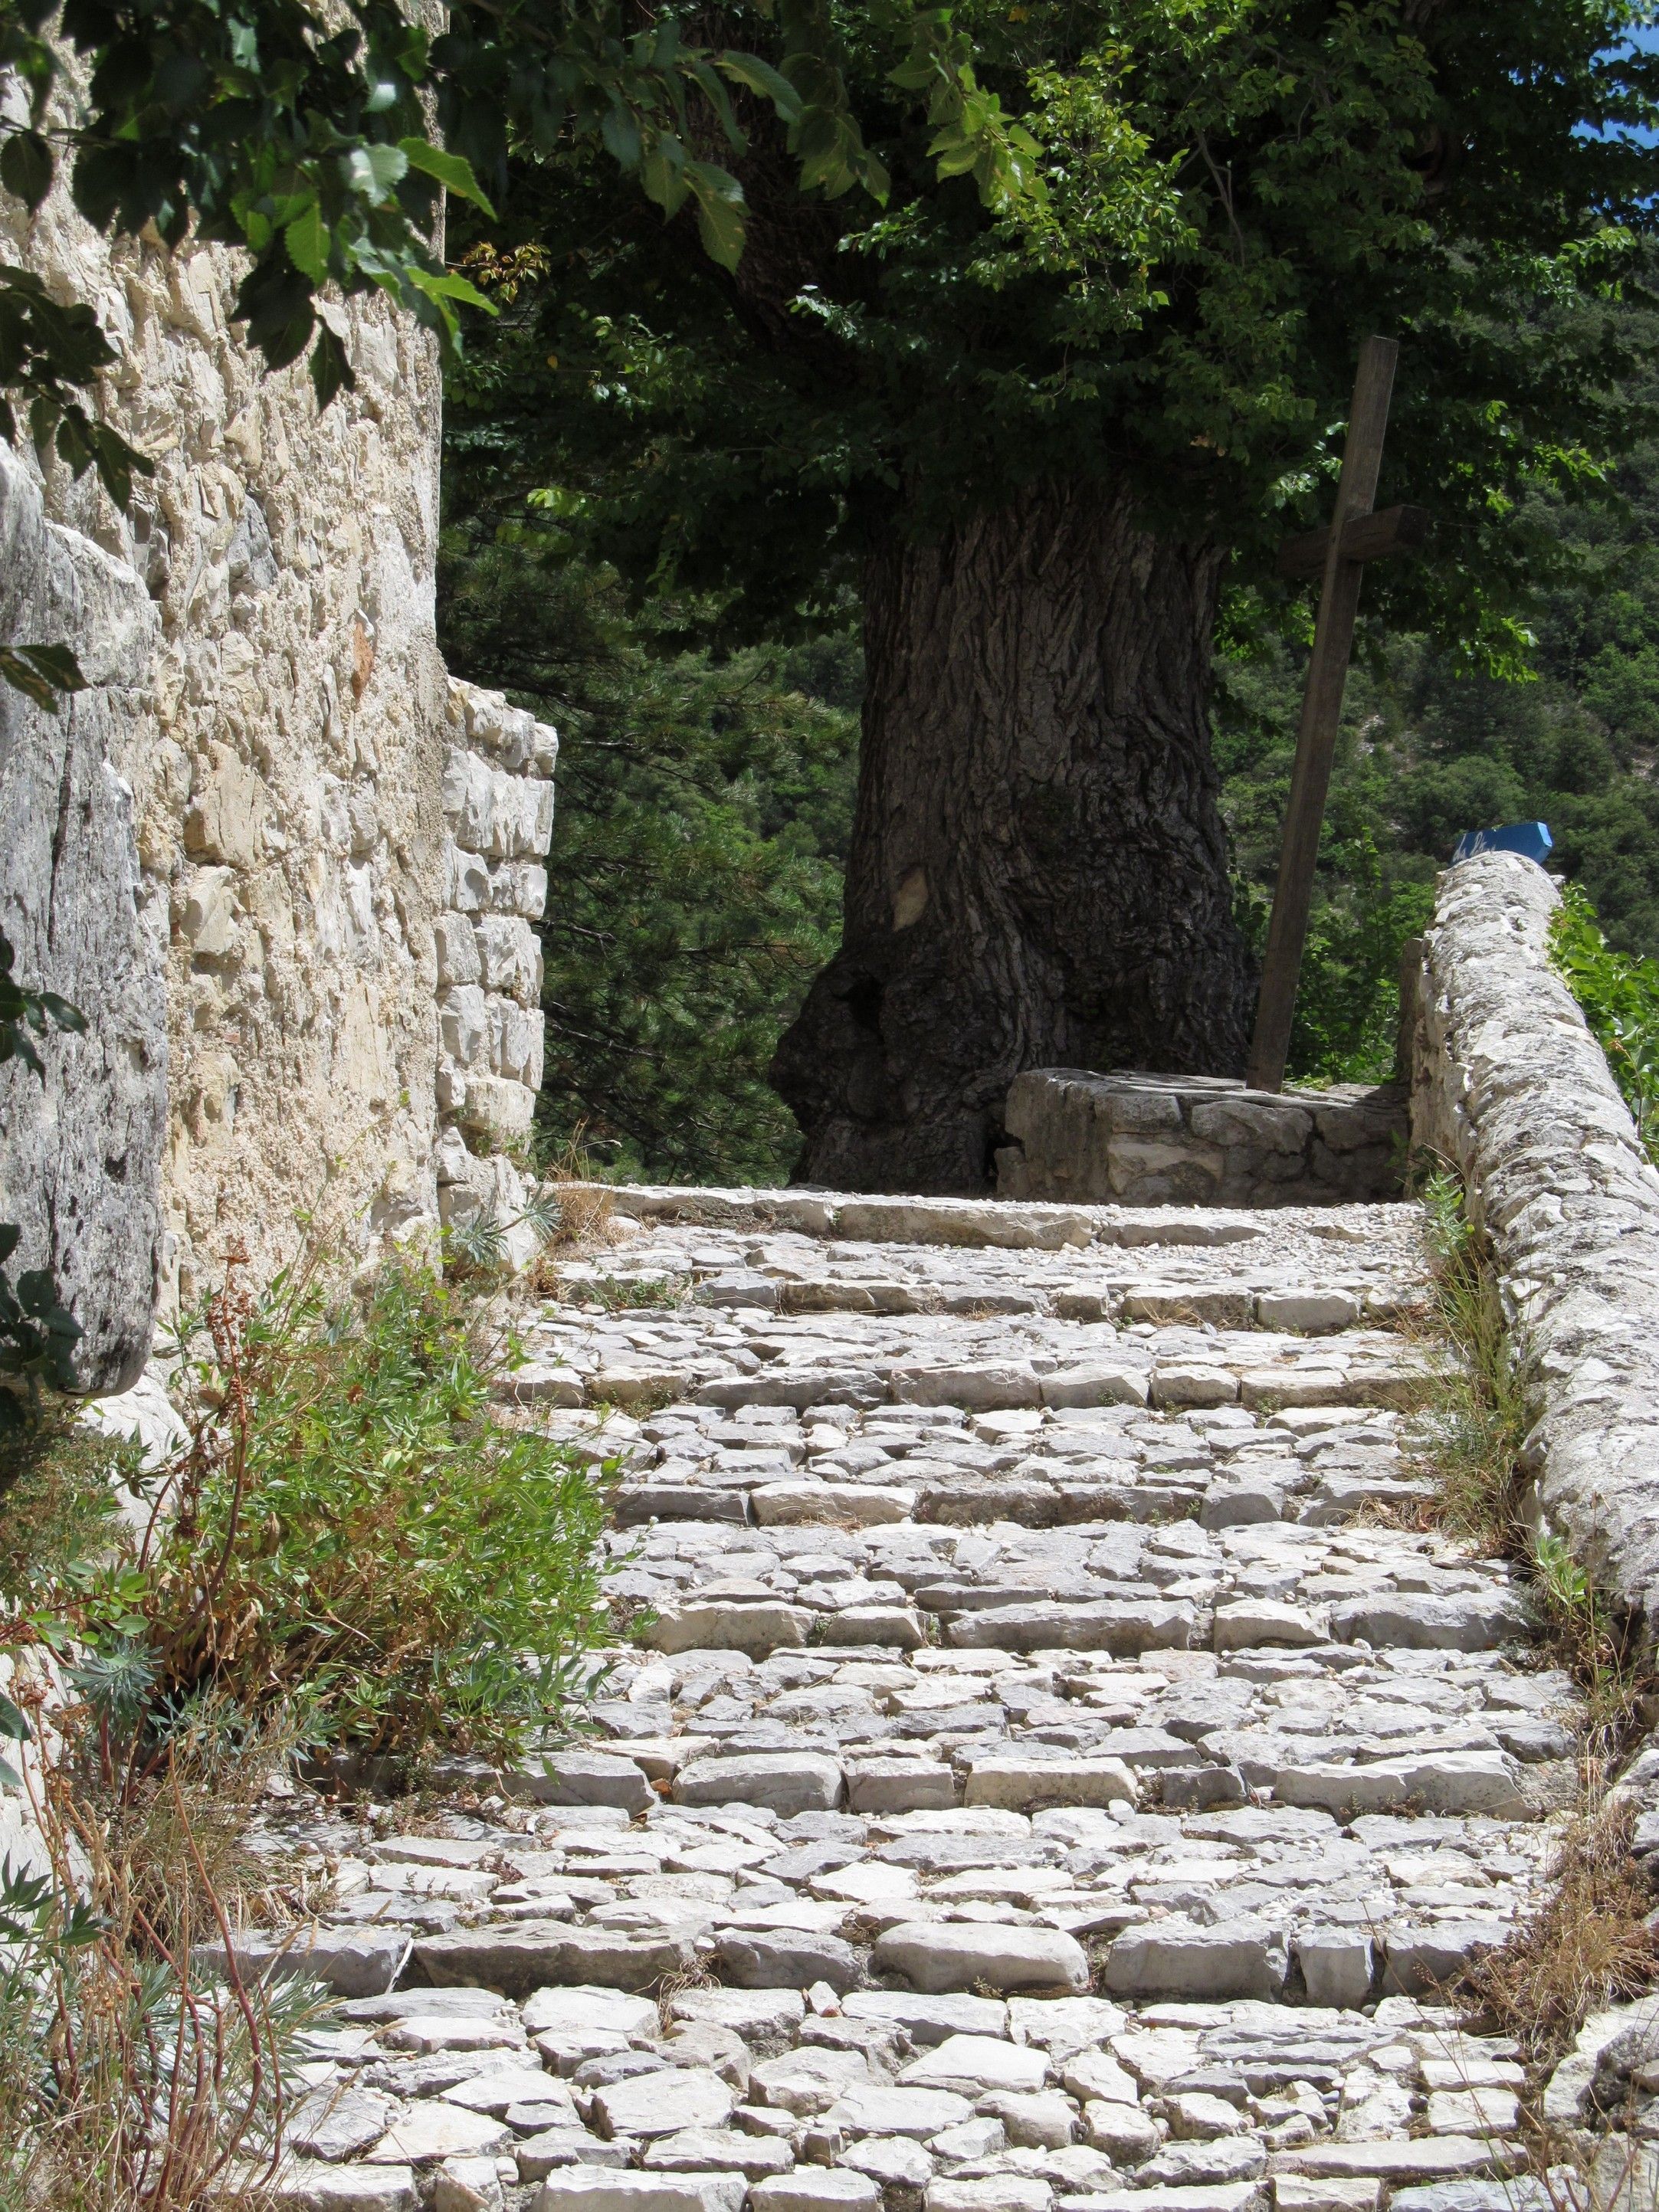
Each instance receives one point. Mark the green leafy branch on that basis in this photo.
(47, 349)
(972, 135)
(312, 151)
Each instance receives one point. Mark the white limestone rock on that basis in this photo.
(597, 2189)
(943, 1955)
(1177, 1958)
(662, 2104)
(786, 1782)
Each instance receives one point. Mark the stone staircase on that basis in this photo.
(1052, 1770)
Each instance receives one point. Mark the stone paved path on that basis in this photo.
(1057, 1779)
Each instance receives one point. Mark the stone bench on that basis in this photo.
(1142, 1140)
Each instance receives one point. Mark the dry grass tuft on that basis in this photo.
(1587, 1945)
(130, 2080)
(697, 1976)
(587, 1206)
(175, 1843)
(1470, 1430)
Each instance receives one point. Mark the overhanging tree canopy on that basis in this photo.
(1043, 436)
(312, 144)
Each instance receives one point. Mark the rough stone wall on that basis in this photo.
(498, 816)
(310, 793)
(1139, 1140)
(1509, 1085)
(76, 912)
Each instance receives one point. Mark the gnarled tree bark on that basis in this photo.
(1038, 871)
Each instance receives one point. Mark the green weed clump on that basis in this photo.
(1473, 1430)
(1596, 1644)
(1619, 996)
(360, 1538)
(1470, 1440)
(356, 1549)
(625, 1294)
(60, 1505)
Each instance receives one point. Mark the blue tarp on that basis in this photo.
(1532, 840)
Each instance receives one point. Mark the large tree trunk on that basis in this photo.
(1038, 871)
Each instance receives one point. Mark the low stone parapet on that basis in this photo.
(1510, 1087)
(1138, 1139)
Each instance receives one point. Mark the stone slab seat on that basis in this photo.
(1136, 1140)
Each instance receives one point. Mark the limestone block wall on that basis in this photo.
(340, 848)
(1509, 1086)
(498, 819)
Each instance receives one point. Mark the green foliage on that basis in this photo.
(48, 350)
(1587, 1637)
(1347, 1009)
(619, 1295)
(1447, 1230)
(357, 1535)
(1430, 747)
(307, 142)
(1471, 1432)
(478, 1247)
(1225, 199)
(60, 1511)
(1620, 998)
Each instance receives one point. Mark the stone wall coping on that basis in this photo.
(1511, 1087)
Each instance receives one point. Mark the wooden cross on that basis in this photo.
(1339, 555)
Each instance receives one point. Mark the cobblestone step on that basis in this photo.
(1052, 1768)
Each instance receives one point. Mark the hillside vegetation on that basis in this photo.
(705, 799)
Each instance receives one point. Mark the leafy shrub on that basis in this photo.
(1620, 998)
(359, 1537)
(359, 1548)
